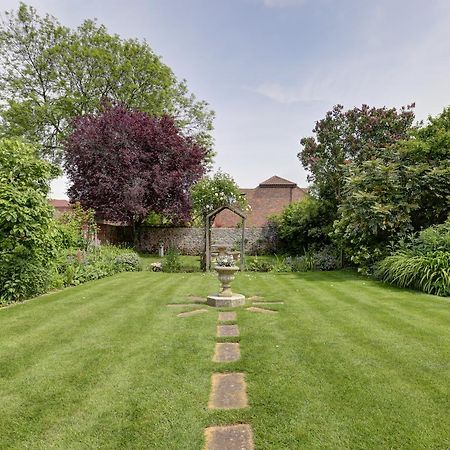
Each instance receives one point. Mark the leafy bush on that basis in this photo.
(128, 262)
(259, 265)
(428, 272)
(24, 279)
(77, 227)
(301, 263)
(303, 225)
(421, 263)
(172, 262)
(28, 240)
(76, 266)
(325, 259)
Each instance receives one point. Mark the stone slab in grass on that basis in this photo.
(182, 305)
(227, 316)
(261, 310)
(268, 303)
(255, 298)
(196, 299)
(231, 437)
(227, 330)
(228, 391)
(226, 352)
(192, 313)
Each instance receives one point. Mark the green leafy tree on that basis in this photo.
(28, 238)
(424, 161)
(214, 191)
(406, 189)
(51, 74)
(351, 136)
(375, 211)
(303, 225)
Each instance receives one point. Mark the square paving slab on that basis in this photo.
(182, 305)
(261, 310)
(192, 313)
(227, 330)
(231, 437)
(227, 316)
(226, 352)
(228, 391)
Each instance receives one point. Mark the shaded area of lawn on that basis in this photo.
(347, 363)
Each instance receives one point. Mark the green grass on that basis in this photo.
(347, 363)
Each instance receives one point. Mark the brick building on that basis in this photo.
(268, 198)
(61, 206)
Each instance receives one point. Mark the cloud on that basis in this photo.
(282, 3)
(311, 90)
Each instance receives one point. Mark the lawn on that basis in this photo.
(347, 363)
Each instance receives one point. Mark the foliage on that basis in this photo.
(172, 262)
(128, 262)
(406, 188)
(303, 263)
(312, 260)
(225, 261)
(77, 227)
(259, 265)
(51, 74)
(375, 211)
(27, 230)
(425, 170)
(421, 263)
(428, 272)
(352, 136)
(303, 225)
(325, 259)
(125, 164)
(76, 266)
(211, 192)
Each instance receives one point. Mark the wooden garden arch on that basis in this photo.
(209, 219)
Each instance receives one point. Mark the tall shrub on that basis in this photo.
(303, 225)
(27, 229)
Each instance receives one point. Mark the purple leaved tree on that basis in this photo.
(125, 164)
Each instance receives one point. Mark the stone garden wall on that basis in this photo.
(188, 241)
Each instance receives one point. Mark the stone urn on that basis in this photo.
(226, 276)
(226, 298)
(236, 256)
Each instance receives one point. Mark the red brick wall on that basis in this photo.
(264, 202)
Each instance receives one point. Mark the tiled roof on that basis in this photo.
(277, 181)
(60, 203)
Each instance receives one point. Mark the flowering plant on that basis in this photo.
(225, 261)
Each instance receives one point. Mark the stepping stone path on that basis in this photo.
(227, 331)
(227, 316)
(261, 310)
(226, 352)
(228, 391)
(192, 313)
(232, 437)
(268, 303)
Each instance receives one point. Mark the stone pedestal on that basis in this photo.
(226, 302)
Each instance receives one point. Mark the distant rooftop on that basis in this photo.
(277, 181)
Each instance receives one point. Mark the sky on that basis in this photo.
(271, 68)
